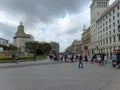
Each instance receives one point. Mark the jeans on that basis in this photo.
(80, 65)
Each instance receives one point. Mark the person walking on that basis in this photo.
(16, 57)
(86, 59)
(114, 59)
(80, 65)
(105, 60)
(34, 56)
(13, 57)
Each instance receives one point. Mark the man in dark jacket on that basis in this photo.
(80, 65)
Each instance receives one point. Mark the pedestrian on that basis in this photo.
(92, 59)
(16, 57)
(86, 59)
(65, 57)
(105, 60)
(34, 56)
(80, 65)
(114, 60)
(13, 57)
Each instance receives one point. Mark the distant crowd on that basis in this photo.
(101, 59)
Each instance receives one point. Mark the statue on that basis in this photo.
(20, 27)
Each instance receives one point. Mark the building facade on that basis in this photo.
(75, 47)
(97, 8)
(4, 42)
(105, 32)
(21, 38)
(86, 40)
(55, 47)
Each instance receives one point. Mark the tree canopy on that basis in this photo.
(39, 48)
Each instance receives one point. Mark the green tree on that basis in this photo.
(9, 48)
(12, 48)
(38, 47)
(46, 48)
(31, 46)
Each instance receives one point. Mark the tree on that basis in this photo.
(9, 48)
(12, 48)
(31, 46)
(38, 47)
(46, 48)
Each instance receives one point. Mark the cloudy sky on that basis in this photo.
(59, 21)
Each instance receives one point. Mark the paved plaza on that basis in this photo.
(47, 75)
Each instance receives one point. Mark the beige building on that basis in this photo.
(86, 39)
(55, 47)
(97, 8)
(75, 47)
(4, 42)
(21, 38)
(105, 31)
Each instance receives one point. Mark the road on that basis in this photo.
(44, 75)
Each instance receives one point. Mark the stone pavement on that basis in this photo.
(47, 75)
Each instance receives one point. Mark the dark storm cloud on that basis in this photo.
(42, 10)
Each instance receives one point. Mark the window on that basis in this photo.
(114, 24)
(118, 21)
(109, 26)
(109, 14)
(113, 17)
(106, 17)
(109, 20)
(103, 24)
(119, 37)
(103, 30)
(113, 10)
(114, 31)
(119, 28)
(114, 39)
(110, 32)
(106, 41)
(110, 39)
(106, 28)
(118, 14)
(103, 42)
(106, 34)
(101, 4)
(106, 22)
(118, 7)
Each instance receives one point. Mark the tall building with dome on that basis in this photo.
(21, 38)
